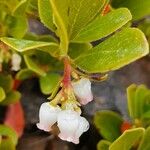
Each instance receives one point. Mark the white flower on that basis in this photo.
(82, 90)
(15, 62)
(47, 116)
(71, 125)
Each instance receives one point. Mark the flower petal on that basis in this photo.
(48, 116)
(82, 90)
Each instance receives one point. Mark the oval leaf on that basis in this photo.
(127, 139)
(145, 144)
(8, 132)
(49, 82)
(24, 74)
(11, 97)
(108, 124)
(60, 12)
(45, 13)
(82, 12)
(115, 52)
(102, 26)
(33, 66)
(138, 8)
(25, 45)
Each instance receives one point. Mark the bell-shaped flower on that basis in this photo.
(47, 116)
(71, 125)
(82, 90)
(15, 62)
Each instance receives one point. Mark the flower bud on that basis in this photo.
(15, 62)
(47, 116)
(71, 125)
(82, 90)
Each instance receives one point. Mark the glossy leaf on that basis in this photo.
(24, 74)
(145, 145)
(49, 82)
(8, 132)
(11, 97)
(76, 49)
(138, 8)
(82, 12)
(46, 14)
(60, 12)
(6, 82)
(33, 66)
(2, 94)
(108, 124)
(115, 52)
(127, 139)
(103, 145)
(102, 26)
(26, 45)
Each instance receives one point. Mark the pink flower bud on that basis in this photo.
(82, 90)
(47, 116)
(15, 62)
(71, 125)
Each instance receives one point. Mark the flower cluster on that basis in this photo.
(71, 125)
(67, 117)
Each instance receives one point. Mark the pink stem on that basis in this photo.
(67, 73)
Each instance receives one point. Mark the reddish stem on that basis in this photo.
(67, 73)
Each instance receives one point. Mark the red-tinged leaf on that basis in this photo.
(15, 118)
(16, 84)
(125, 126)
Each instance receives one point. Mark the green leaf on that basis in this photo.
(8, 132)
(17, 26)
(138, 97)
(26, 45)
(131, 99)
(103, 145)
(115, 52)
(146, 115)
(33, 66)
(145, 144)
(20, 8)
(45, 13)
(7, 144)
(138, 8)
(108, 124)
(82, 12)
(2, 94)
(140, 100)
(6, 82)
(24, 74)
(102, 26)
(49, 82)
(127, 139)
(76, 49)
(60, 12)
(11, 97)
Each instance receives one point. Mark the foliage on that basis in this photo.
(121, 134)
(75, 24)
